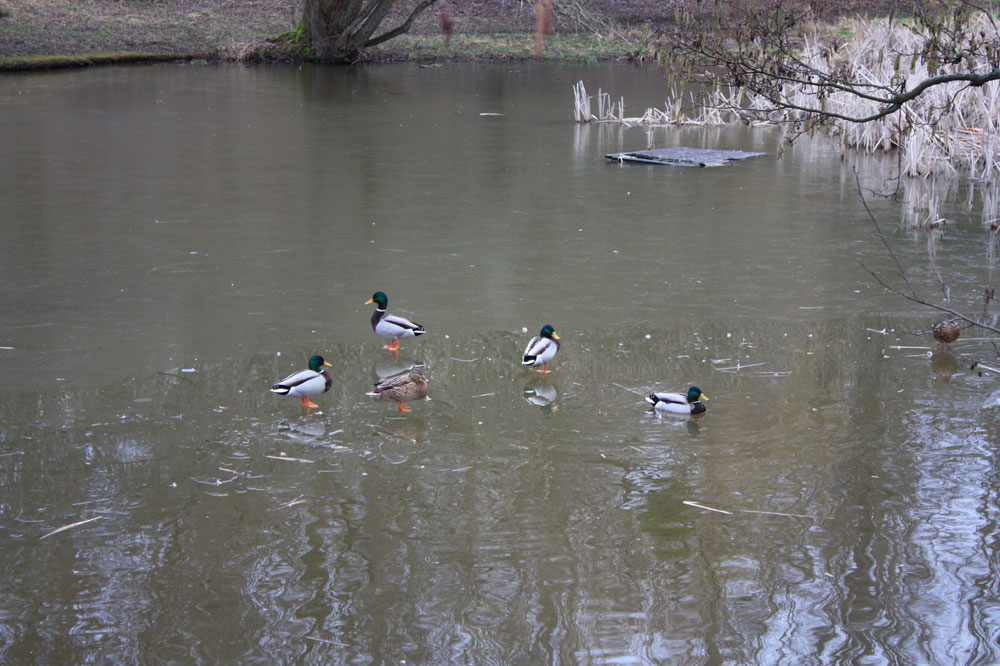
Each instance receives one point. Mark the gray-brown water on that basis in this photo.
(176, 239)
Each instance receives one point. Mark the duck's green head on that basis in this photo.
(317, 362)
(380, 299)
(549, 332)
(695, 394)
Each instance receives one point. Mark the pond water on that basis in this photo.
(179, 238)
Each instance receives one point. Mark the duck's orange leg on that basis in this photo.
(308, 404)
(402, 407)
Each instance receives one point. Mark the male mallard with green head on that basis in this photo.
(679, 403)
(541, 350)
(391, 327)
(306, 383)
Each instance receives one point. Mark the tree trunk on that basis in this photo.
(338, 30)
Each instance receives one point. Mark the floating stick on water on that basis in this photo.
(103, 499)
(706, 508)
(779, 513)
(290, 459)
(297, 500)
(738, 367)
(70, 526)
(765, 513)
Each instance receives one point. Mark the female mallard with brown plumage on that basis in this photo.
(402, 388)
(946, 332)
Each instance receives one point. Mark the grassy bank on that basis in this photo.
(50, 33)
(64, 33)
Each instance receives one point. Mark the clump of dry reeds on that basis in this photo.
(721, 107)
(947, 129)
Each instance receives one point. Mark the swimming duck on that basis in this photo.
(391, 327)
(541, 350)
(306, 383)
(402, 388)
(679, 403)
(945, 332)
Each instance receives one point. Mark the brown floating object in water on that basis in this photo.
(946, 331)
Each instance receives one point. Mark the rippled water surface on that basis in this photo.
(178, 238)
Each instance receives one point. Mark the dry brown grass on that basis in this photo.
(179, 27)
(240, 29)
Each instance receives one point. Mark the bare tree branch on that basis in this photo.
(912, 294)
(403, 27)
(878, 231)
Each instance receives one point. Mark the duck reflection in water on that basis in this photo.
(409, 430)
(541, 393)
(944, 364)
(388, 368)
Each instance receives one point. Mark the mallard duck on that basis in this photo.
(541, 350)
(946, 331)
(679, 403)
(306, 383)
(402, 388)
(391, 327)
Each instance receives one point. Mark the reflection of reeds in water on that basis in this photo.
(990, 199)
(922, 199)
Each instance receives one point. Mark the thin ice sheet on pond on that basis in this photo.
(696, 157)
